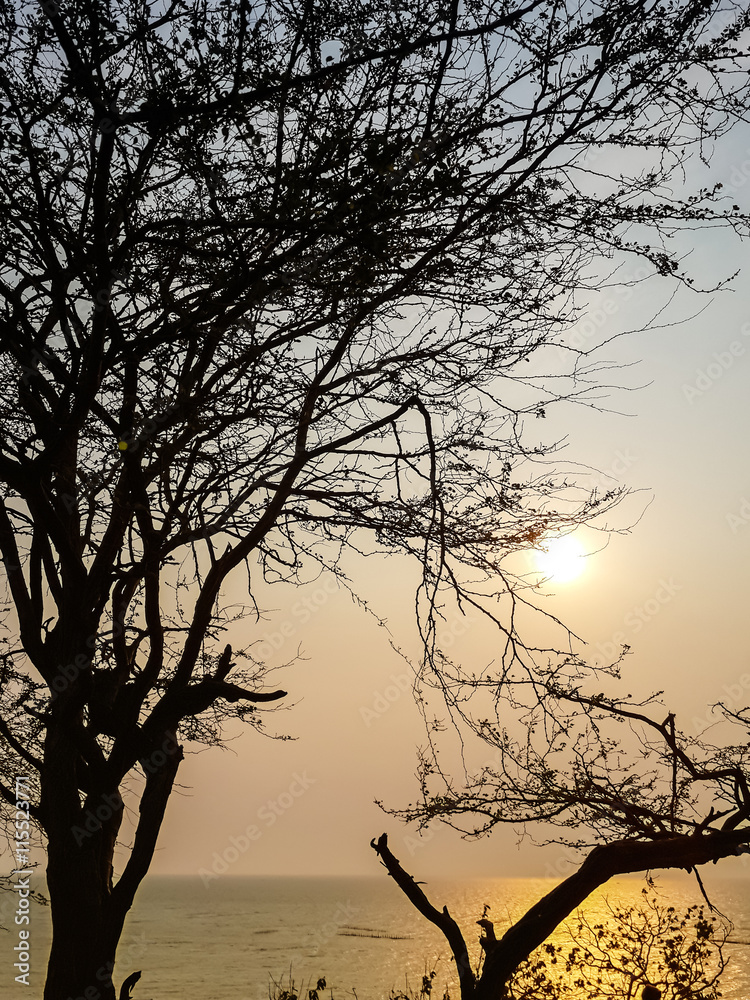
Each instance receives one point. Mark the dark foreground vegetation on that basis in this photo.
(646, 952)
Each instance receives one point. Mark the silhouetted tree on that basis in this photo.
(271, 276)
(619, 955)
(634, 794)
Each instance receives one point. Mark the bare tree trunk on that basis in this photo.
(83, 952)
(441, 919)
(83, 941)
(88, 911)
(87, 923)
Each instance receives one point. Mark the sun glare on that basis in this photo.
(561, 559)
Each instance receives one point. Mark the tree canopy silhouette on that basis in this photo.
(274, 279)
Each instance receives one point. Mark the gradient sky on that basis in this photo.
(675, 589)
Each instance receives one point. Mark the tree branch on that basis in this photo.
(443, 920)
(618, 858)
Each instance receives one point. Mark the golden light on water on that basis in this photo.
(560, 559)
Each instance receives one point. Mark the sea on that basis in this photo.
(251, 938)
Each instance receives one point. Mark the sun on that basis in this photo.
(560, 559)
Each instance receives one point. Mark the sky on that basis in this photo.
(674, 588)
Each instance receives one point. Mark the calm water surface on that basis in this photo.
(228, 940)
